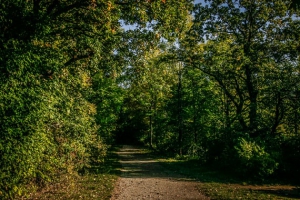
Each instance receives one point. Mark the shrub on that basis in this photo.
(253, 159)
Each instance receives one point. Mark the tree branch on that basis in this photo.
(80, 57)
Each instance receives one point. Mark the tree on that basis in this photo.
(246, 40)
(251, 52)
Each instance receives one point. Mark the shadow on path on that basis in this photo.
(137, 162)
(144, 178)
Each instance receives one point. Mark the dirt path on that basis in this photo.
(144, 178)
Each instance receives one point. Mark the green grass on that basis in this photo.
(95, 183)
(219, 185)
(91, 186)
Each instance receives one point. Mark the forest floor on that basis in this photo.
(143, 177)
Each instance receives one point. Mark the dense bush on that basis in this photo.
(253, 159)
(47, 128)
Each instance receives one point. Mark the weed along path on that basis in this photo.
(144, 178)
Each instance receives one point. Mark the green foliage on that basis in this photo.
(71, 78)
(233, 90)
(254, 159)
(42, 134)
(60, 96)
(250, 54)
(108, 97)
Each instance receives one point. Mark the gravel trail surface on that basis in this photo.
(144, 178)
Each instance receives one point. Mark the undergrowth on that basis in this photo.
(96, 182)
(218, 184)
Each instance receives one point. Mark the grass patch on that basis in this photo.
(96, 183)
(219, 185)
(90, 186)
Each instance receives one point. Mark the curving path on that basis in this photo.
(144, 178)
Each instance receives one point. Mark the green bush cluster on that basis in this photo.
(47, 129)
(47, 122)
(253, 159)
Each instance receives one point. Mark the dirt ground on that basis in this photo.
(144, 178)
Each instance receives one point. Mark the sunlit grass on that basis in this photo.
(92, 186)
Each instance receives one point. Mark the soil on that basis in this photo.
(144, 178)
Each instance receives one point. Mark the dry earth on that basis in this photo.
(144, 178)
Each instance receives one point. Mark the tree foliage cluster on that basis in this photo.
(218, 82)
(227, 91)
(60, 95)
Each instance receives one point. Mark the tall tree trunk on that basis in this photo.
(151, 130)
(253, 102)
(179, 107)
(194, 110)
(151, 123)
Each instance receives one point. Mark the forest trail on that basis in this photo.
(144, 178)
